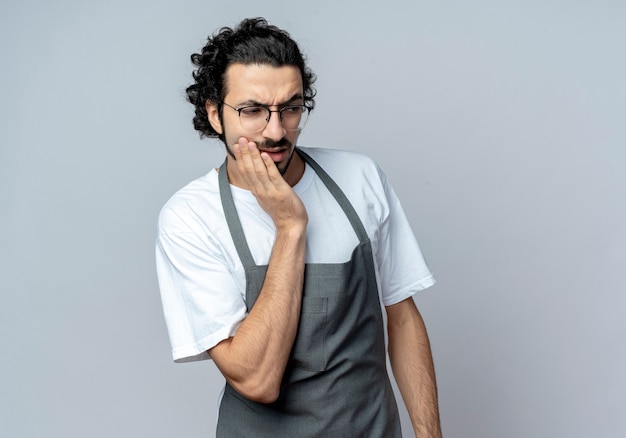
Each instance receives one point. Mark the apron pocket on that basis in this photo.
(308, 349)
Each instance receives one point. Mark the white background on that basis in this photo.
(501, 124)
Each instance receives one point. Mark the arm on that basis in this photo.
(412, 365)
(254, 360)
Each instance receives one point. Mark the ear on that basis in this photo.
(214, 116)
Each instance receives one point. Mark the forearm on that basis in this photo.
(412, 365)
(253, 361)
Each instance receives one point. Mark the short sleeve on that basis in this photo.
(201, 302)
(401, 265)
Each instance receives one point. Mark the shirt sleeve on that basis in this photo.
(201, 302)
(402, 268)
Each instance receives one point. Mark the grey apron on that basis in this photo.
(336, 382)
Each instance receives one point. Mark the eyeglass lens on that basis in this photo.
(255, 118)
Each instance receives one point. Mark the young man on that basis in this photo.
(274, 265)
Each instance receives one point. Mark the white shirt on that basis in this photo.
(202, 280)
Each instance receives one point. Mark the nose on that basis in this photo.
(274, 128)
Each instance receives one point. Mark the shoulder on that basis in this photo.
(338, 157)
(345, 165)
(193, 203)
(361, 180)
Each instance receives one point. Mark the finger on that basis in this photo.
(240, 148)
(244, 158)
(237, 151)
(271, 168)
(252, 166)
(258, 164)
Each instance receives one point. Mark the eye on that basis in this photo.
(252, 111)
(292, 110)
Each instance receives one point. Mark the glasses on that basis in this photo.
(254, 118)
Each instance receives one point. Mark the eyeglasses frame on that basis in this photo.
(270, 111)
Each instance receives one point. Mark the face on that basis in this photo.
(273, 87)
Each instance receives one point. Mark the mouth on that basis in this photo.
(277, 154)
(274, 150)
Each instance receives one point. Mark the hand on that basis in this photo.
(266, 183)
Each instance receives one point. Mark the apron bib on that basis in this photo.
(336, 382)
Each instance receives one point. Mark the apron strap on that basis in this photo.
(339, 196)
(232, 219)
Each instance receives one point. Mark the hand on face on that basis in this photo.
(263, 179)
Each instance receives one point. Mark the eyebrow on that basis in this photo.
(252, 102)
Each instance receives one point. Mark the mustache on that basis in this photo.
(266, 144)
(269, 144)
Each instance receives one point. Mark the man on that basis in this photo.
(274, 265)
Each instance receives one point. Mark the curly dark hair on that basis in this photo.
(253, 41)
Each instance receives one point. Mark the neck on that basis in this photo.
(294, 168)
